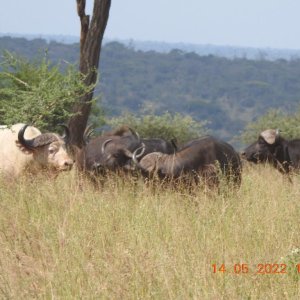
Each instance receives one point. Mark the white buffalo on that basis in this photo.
(24, 148)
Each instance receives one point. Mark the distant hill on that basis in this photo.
(164, 47)
(220, 51)
(64, 39)
(226, 92)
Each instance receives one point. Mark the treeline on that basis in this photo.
(227, 93)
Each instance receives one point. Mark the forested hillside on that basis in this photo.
(226, 92)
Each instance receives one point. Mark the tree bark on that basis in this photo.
(91, 37)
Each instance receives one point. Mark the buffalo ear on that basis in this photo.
(270, 136)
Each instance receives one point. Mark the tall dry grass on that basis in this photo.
(69, 238)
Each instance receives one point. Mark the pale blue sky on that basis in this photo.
(254, 23)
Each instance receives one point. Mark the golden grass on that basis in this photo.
(69, 238)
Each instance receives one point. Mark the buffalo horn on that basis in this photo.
(26, 143)
(130, 154)
(135, 155)
(104, 145)
(87, 133)
(39, 141)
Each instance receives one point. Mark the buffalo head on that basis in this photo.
(48, 149)
(111, 151)
(264, 149)
(117, 152)
(154, 163)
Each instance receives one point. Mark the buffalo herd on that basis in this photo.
(24, 148)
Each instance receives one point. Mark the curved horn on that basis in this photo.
(135, 155)
(87, 133)
(66, 136)
(38, 141)
(104, 145)
(130, 154)
(142, 152)
(26, 143)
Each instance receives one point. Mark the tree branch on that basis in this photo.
(85, 22)
(91, 37)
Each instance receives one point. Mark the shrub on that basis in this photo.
(288, 125)
(181, 127)
(37, 92)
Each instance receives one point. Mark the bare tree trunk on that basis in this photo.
(90, 46)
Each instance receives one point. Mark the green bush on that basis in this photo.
(168, 126)
(37, 92)
(288, 125)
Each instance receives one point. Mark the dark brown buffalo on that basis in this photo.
(113, 150)
(202, 158)
(110, 151)
(271, 147)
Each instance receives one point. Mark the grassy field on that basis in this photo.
(67, 238)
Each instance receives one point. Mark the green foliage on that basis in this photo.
(288, 125)
(168, 126)
(38, 92)
(97, 115)
(229, 93)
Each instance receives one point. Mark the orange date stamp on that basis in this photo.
(262, 269)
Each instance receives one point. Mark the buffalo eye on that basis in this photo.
(52, 150)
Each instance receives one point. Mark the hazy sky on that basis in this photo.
(254, 23)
